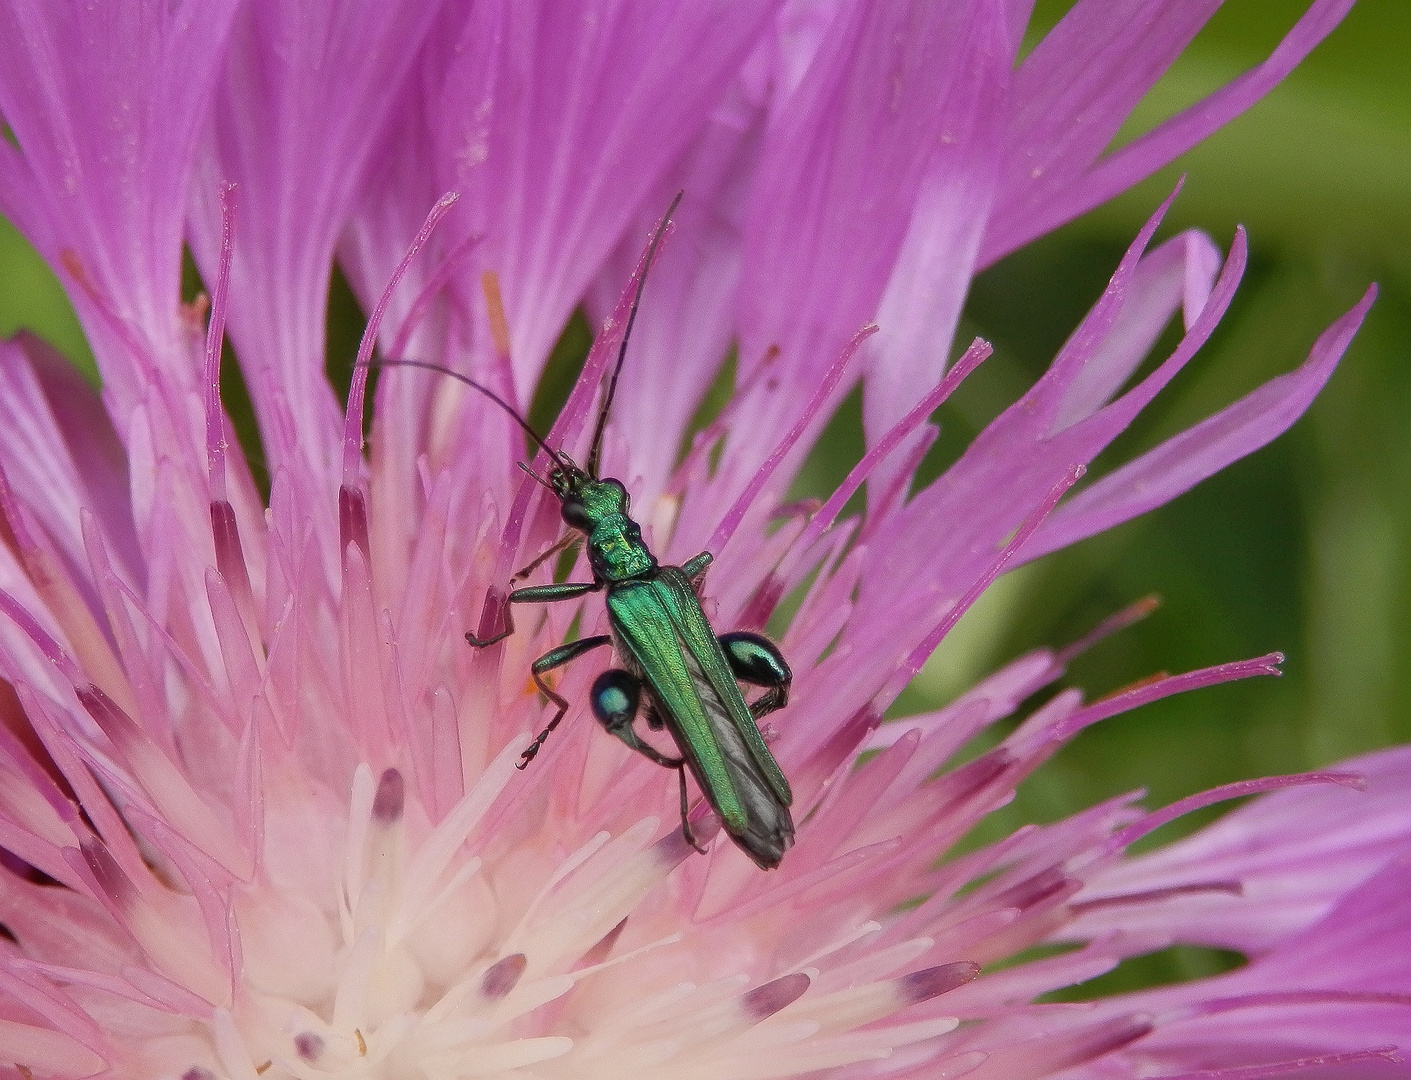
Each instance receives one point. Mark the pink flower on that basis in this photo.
(258, 805)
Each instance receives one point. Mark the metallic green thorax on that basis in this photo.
(599, 508)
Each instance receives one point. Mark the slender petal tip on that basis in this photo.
(503, 976)
(388, 803)
(764, 1001)
(934, 981)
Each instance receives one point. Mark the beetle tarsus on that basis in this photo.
(686, 833)
(485, 643)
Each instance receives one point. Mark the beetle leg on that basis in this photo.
(550, 660)
(686, 833)
(485, 643)
(566, 541)
(534, 594)
(757, 660)
(615, 697)
(695, 568)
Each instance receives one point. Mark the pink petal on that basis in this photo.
(1341, 985)
(1180, 463)
(38, 463)
(685, 326)
(90, 440)
(106, 106)
(1293, 854)
(823, 238)
(941, 542)
(919, 307)
(1076, 88)
(555, 123)
(301, 105)
(1177, 275)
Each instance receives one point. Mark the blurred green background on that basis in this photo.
(1302, 547)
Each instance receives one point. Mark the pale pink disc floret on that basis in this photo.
(259, 815)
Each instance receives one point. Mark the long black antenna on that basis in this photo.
(596, 450)
(501, 402)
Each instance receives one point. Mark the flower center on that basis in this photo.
(426, 961)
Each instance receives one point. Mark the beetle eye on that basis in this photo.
(622, 491)
(576, 515)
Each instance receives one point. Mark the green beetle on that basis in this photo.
(669, 652)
